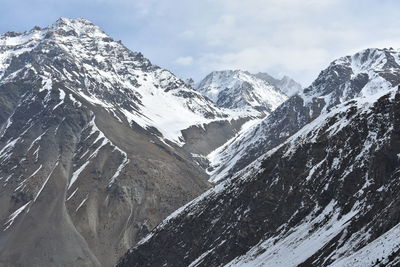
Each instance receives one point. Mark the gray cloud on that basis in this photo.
(192, 38)
(184, 61)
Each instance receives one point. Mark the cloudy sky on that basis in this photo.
(194, 37)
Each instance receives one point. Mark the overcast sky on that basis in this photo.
(194, 37)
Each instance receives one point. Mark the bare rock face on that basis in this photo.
(326, 197)
(86, 166)
(322, 190)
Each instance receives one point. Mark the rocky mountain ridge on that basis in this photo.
(362, 74)
(108, 74)
(98, 145)
(325, 196)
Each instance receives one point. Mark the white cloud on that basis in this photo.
(223, 31)
(294, 37)
(184, 61)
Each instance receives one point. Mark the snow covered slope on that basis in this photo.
(360, 75)
(85, 170)
(236, 89)
(326, 196)
(107, 74)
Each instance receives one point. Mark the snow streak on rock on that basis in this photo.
(325, 196)
(105, 73)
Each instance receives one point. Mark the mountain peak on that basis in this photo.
(240, 89)
(362, 74)
(89, 107)
(369, 59)
(77, 27)
(65, 20)
(79, 54)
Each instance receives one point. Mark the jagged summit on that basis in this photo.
(63, 26)
(65, 33)
(361, 74)
(240, 89)
(77, 27)
(77, 21)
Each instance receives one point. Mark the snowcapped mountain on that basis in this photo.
(98, 146)
(286, 85)
(360, 75)
(92, 152)
(236, 89)
(108, 75)
(323, 193)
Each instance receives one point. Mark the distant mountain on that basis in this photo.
(286, 85)
(236, 89)
(315, 184)
(244, 98)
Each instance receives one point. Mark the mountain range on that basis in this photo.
(106, 158)
(97, 144)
